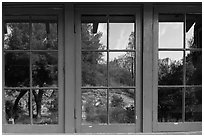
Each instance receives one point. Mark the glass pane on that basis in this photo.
(17, 69)
(169, 104)
(121, 69)
(121, 106)
(17, 106)
(171, 31)
(94, 68)
(45, 106)
(193, 31)
(193, 104)
(121, 35)
(45, 69)
(44, 36)
(94, 106)
(16, 36)
(170, 69)
(94, 32)
(194, 67)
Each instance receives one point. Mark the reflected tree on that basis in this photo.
(94, 102)
(17, 68)
(92, 62)
(170, 72)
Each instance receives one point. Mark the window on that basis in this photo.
(31, 71)
(32, 87)
(101, 67)
(109, 71)
(180, 74)
(179, 70)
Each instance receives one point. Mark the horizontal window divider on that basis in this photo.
(9, 16)
(30, 50)
(180, 49)
(93, 87)
(34, 65)
(27, 21)
(180, 122)
(193, 49)
(110, 50)
(20, 65)
(171, 49)
(30, 88)
(175, 86)
(110, 124)
(126, 87)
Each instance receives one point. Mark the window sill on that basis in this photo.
(154, 133)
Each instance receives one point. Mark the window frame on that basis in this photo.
(69, 79)
(169, 126)
(34, 11)
(104, 10)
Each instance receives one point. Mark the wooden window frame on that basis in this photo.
(169, 126)
(106, 10)
(69, 59)
(28, 128)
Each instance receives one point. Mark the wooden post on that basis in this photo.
(147, 67)
(69, 69)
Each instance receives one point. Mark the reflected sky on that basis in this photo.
(102, 27)
(119, 36)
(171, 35)
(173, 55)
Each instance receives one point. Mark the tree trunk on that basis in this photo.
(38, 103)
(22, 93)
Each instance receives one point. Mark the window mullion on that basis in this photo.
(30, 57)
(108, 120)
(135, 70)
(184, 69)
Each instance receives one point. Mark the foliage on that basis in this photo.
(170, 99)
(94, 73)
(94, 107)
(17, 65)
(170, 72)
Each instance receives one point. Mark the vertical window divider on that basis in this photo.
(108, 120)
(135, 69)
(30, 60)
(184, 69)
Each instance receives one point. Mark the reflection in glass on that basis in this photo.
(94, 36)
(170, 69)
(45, 106)
(193, 104)
(44, 36)
(16, 36)
(121, 36)
(17, 69)
(94, 68)
(170, 35)
(45, 69)
(17, 106)
(171, 28)
(193, 67)
(169, 104)
(193, 31)
(94, 106)
(121, 68)
(121, 106)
